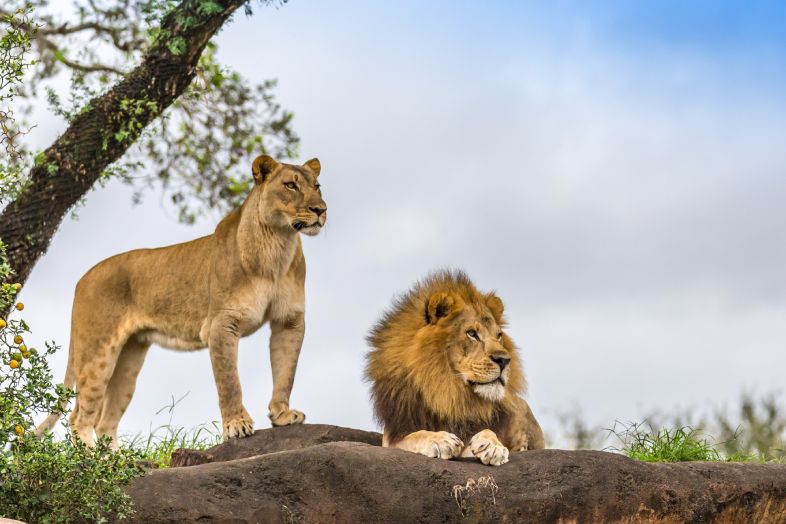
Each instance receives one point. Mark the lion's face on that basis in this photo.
(478, 350)
(291, 195)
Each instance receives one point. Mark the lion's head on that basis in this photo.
(441, 356)
(289, 195)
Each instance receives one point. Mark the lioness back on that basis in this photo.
(160, 288)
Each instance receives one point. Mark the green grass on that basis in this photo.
(682, 444)
(161, 442)
(641, 442)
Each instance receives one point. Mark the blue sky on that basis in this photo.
(616, 171)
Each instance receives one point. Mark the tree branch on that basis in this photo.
(85, 68)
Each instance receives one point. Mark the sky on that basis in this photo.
(616, 171)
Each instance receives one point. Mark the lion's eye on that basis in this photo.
(317, 186)
(472, 334)
(499, 337)
(290, 185)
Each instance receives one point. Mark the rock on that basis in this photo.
(288, 438)
(183, 457)
(332, 474)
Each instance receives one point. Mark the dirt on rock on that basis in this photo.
(324, 474)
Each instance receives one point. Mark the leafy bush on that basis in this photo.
(15, 42)
(25, 381)
(45, 480)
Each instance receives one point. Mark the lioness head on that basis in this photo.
(290, 194)
(470, 332)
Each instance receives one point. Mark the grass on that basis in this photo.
(641, 442)
(161, 442)
(682, 444)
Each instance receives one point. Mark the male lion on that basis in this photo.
(443, 372)
(208, 292)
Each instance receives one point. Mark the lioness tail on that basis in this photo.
(52, 419)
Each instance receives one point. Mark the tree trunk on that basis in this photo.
(104, 130)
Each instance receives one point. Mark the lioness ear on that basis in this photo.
(440, 305)
(263, 167)
(314, 166)
(496, 306)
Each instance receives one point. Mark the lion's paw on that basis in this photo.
(440, 444)
(238, 427)
(486, 447)
(287, 417)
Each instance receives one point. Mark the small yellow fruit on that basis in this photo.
(22, 348)
(17, 286)
(18, 339)
(2, 323)
(14, 364)
(32, 351)
(26, 354)
(20, 306)
(17, 356)
(19, 430)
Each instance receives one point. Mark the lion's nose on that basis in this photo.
(502, 362)
(318, 210)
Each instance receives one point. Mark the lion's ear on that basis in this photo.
(496, 306)
(314, 166)
(263, 167)
(441, 305)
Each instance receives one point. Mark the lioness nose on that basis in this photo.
(502, 362)
(318, 210)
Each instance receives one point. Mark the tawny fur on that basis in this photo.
(426, 372)
(208, 292)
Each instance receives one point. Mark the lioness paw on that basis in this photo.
(238, 427)
(287, 417)
(486, 447)
(441, 444)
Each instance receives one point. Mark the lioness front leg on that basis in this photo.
(487, 447)
(286, 339)
(224, 336)
(435, 444)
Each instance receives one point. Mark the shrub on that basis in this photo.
(45, 480)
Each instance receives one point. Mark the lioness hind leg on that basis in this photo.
(121, 387)
(286, 339)
(94, 360)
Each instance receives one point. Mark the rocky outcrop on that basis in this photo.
(316, 473)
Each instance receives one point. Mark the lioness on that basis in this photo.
(208, 292)
(443, 372)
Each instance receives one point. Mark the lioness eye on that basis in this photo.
(317, 186)
(290, 185)
(499, 337)
(473, 335)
